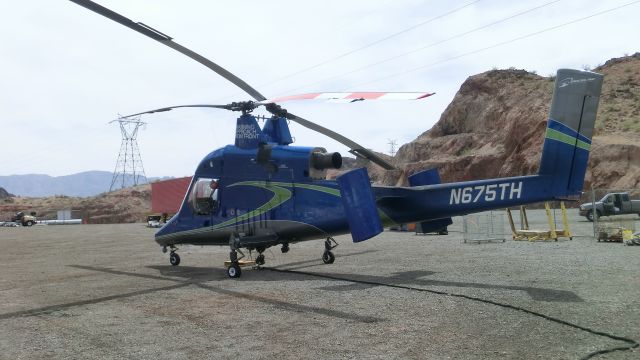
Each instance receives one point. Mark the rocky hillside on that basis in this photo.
(121, 206)
(494, 127)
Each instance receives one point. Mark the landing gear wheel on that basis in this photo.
(234, 270)
(328, 257)
(174, 259)
(260, 260)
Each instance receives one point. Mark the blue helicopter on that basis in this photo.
(262, 191)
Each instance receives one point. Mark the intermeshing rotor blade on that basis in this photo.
(166, 40)
(350, 96)
(169, 108)
(356, 148)
(150, 32)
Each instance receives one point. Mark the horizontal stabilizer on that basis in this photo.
(359, 205)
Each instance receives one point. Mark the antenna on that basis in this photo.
(392, 146)
(129, 169)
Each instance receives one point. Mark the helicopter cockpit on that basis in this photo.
(203, 197)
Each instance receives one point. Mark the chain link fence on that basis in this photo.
(487, 226)
(602, 214)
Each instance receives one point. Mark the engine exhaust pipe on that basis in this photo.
(321, 161)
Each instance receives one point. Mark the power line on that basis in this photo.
(495, 45)
(372, 43)
(425, 46)
(368, 45)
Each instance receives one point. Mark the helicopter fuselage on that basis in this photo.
(278, 199)
(283, 201)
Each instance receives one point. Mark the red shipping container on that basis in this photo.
(167, 195)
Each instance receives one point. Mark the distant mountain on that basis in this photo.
(5, 194)
(88, 183)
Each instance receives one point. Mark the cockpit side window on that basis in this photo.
(204, 196)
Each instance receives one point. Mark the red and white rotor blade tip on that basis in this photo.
(350, 96)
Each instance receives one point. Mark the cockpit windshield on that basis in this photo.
(204, 196)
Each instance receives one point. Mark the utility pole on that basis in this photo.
(129, 163)
(392, 146)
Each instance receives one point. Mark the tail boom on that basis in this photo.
(563, 164)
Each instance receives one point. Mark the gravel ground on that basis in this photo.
(107, 292)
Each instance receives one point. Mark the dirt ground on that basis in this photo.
(107, 292)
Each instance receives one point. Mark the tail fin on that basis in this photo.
(569, 130)
(429, 177)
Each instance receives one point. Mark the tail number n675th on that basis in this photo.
(488, 193)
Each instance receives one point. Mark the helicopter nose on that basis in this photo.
(167, 228)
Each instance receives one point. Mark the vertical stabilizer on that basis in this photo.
(429, 177)
(569, 130)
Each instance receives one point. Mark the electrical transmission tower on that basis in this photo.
(129, 169)
(392, 147)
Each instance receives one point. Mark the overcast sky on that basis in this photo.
(66, 72)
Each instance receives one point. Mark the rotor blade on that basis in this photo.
(350, 96)
(356, 148)
(169, 108)
(166, 40)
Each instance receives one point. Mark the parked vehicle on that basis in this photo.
(611, 204)
(25, 220)
(153, 221)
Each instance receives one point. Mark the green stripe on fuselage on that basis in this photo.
(567, 139)
(281, 195)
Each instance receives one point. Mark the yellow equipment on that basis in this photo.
(242, 263)
(551, 234)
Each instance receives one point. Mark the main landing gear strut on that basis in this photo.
(327, 256)
(260, 257)
(233, 271)
(174, 258)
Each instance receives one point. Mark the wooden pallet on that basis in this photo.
(242, 263)
(546, 234)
